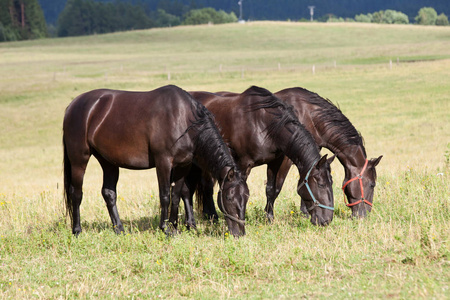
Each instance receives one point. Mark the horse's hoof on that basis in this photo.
(191, 226)
(76, 231)
(211, 217)
(118, 229)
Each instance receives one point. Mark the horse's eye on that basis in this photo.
(321, 185)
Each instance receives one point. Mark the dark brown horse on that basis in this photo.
(261, 129)
(164, 128)
(331, 129)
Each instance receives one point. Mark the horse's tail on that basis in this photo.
(67, 181)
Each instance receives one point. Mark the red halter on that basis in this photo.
(359, 177)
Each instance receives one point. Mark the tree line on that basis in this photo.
(24, 19)
(425, 16)
(84, 17)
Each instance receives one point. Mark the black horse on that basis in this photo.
(260, 129)
(164, 128)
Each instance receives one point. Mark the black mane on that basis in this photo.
(331, 121)
(208, 142)
(301, 148)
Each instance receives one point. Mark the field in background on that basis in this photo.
(391, 81)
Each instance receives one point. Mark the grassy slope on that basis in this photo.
(402, 250)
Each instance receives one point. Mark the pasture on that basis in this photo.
(392, 82)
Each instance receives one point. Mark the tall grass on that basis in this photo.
(401, 251)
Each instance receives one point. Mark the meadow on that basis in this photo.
(391, 81)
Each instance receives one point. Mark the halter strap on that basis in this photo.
(225, 214)
(305, 182)
(358, 177)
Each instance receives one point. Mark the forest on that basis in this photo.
(271, 9)
(30, 19)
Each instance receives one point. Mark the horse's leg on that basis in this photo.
(76, 195)
(209, 208)
(187, 191)
(271, 189)
(163, 172)
(109, 193)
(277, 171)
(175, 203)
(191, 181)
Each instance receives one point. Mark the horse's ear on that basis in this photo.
(321, 161)
(330, 160)
(230, 175)
(376, 161)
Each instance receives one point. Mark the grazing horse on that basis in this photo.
(164, 129)
(260, 129)
(331, 129)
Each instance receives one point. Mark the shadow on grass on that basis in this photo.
(255, 216)
(131, 226)
(143, 224)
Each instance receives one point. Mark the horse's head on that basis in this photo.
(232, 201)
(359, 185)
(315, 188)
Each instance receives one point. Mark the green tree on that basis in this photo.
(208, 15)
(164, 19)
(426, 16)
(70, 21)
(82, 17)
(377, 17)
(364, 18)
(389, 16)
(394, 17)
(442, 20)
(21, 20)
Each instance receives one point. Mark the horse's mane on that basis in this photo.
(329, 119)
(301, 148)
(208, 140)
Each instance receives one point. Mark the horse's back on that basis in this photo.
(305, 101)
(242, 127)
(129, 128)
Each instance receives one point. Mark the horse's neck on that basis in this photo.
(352, 158)
(303, 154)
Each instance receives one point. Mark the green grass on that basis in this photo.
(401, 251)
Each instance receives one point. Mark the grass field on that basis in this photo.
(392, 82)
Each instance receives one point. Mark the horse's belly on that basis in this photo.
(130, 160)
(124, 153)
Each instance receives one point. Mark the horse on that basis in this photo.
(331, 129)
(164, 129)
(261, 129)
